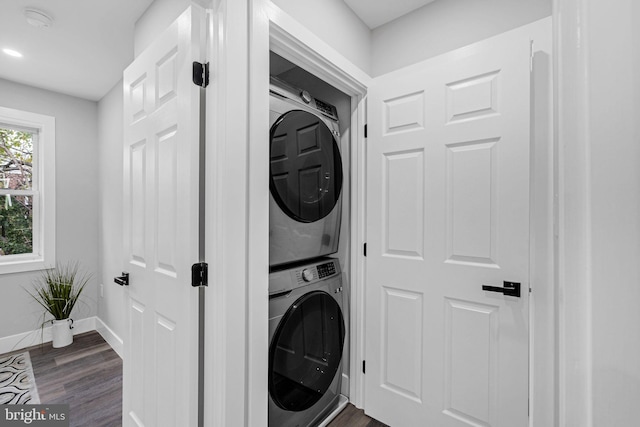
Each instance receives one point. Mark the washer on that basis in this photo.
(306, 175)
(306, 335)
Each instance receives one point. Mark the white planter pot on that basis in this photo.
(62, 332)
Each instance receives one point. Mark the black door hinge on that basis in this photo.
(363, 367)
(200, 74)
(365, 131)
(200, 274)
(364, 250)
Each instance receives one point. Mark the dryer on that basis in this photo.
(306, 175)
(306, 336)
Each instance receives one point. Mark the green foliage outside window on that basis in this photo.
(16, 207)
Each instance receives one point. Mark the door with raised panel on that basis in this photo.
(161, 143)
(448, 213)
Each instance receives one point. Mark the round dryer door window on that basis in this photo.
(306, 351)
(306, 169)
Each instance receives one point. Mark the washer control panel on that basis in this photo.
(307, 275)
(313, 273)
(326, 270)
(284, 281)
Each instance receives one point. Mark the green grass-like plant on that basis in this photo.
(57, 290)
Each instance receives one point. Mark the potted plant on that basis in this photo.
(57, 290)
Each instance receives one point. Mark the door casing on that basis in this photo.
(333, 69)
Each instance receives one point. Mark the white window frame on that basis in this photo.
(43, 192)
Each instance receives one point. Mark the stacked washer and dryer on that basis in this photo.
(306, 323)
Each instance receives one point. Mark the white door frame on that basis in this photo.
(236, 250)
(237, 197)
(237, 194)
(292, 41)
(572, 213)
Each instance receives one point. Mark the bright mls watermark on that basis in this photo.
(34, 415)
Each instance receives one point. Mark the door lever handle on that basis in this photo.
(122, 280)
(511, 289)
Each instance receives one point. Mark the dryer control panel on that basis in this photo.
(281, 88)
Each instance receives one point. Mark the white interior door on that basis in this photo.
(161, 117)
(448, 212)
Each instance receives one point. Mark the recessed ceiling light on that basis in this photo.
(12, 52)
(38, 18)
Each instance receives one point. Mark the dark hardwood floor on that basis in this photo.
(353, 417)
(87, 375)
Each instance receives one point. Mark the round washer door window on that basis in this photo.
(306, 351)
(306, 169)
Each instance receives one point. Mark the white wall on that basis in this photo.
(76, 203)
(112, 301)
(445, 25)
(613, 38)
(336, 24)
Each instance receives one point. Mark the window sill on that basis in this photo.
(21, 265)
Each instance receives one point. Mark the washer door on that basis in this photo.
(306, 169)
(306, 351)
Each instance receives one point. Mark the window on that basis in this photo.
(27, 187)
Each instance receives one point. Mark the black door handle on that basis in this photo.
(511, 289)
(122, 280)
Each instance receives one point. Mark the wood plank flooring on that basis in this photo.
(353, 417)
(87, 375)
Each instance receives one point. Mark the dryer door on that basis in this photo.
(306, 169)
(306, 351)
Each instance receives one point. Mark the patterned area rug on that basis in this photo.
(17, 383)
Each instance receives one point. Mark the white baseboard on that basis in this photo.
(110, 337)
(39, 336)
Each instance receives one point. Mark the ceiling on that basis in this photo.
(82, 54)
(376, 13)
(90, 42)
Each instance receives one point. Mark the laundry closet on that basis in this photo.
(309, 230)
